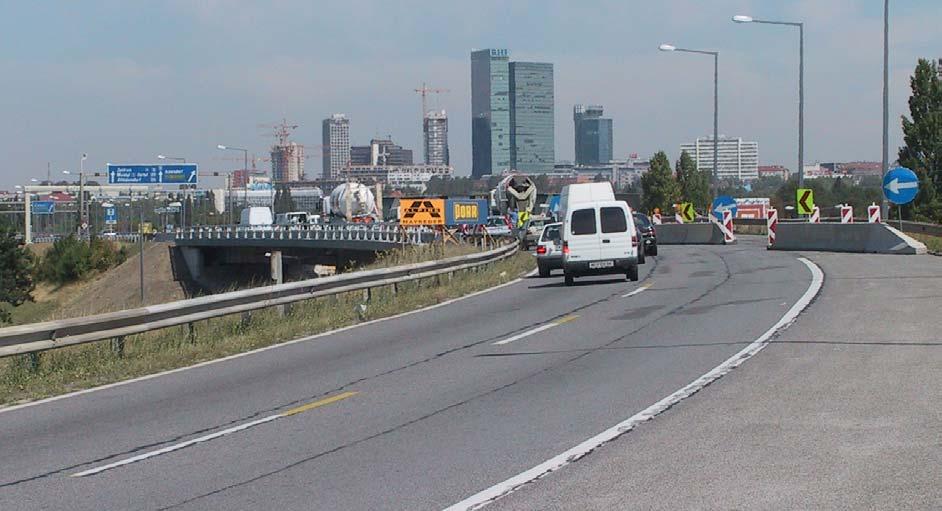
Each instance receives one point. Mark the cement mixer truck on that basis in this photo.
(514, 194)
(353, 202)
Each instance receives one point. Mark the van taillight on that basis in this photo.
(566, 248)
(541, 250)
(634, 240)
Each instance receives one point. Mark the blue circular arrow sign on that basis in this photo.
(900, 185)
(723, 203)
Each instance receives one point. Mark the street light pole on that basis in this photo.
(716, 99)
(245, 171)
(801, 85)
(884, 206)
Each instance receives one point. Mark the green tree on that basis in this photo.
(923, 138)
(16, 272)
(694, 184)
(659, 188)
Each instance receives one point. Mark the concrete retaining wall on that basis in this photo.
(689, 234)
(862, 238)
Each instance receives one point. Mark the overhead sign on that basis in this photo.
(723, 203)
(466, 211)
(422, 212)
(185, 173)
(687, 212)
(111, 214)
(43, 207)
(900, 185)
(805, 200)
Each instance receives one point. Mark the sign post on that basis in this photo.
(900, 186)
(805, 200)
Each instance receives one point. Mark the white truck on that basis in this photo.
(256, 218)
(598, 233)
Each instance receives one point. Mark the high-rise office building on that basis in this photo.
(490, 111)
(593, 135)
(287, 163)
(736, 158)
(435, 128)
(380, 152)
(336, 145)
(532, 126)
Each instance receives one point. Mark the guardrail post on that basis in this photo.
(191, 332)
(33, 362)
(117, 346)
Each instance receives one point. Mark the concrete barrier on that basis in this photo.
(862, 238)
(689, 234)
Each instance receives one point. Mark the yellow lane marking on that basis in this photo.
(317, 404)
(566, 319)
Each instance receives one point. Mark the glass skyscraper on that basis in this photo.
(593, 135)
(532, 135)
(490, 111)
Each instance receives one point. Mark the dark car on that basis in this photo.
(646, 228)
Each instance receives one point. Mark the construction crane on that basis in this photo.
(281, 131)
(424, 92)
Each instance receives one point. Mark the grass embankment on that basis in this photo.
(77, 367)
(933, 243)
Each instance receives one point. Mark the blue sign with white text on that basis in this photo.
(900, 185)
(111, 215)
(185, 173)
(466, 211)
(43, 207)
(721, 204)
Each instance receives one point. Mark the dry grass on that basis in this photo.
(933, 243)
(77, 367)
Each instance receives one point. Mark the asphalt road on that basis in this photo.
(421, 411)
(841, 411)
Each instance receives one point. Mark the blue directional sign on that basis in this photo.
(43, 207)
(111, 214)
(185, 173)
(900, 185)
(721, 204)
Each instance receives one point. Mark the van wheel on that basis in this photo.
(544, 271)
(570, 280)
(633, 273)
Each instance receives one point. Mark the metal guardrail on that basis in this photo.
(384, 233)
(36, 337)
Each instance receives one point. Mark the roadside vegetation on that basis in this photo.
(58, 371)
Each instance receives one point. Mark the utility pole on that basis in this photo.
(884, 206)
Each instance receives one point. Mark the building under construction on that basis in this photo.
(435, 128)
(287, 158)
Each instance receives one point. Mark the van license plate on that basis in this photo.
(601, 264)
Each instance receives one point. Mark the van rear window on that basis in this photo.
(583, 221)
(614, 220)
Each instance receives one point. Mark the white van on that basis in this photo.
(256, 217)
(583, 192)
(599, 238)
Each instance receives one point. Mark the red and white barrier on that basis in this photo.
(727, 227)
(815, 217)
(847, 214)
(678, 218)
(873, 214)
(656, 219)
(771, 224)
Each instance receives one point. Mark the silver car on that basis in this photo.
(549, 250)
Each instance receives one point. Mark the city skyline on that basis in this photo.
(72, 90)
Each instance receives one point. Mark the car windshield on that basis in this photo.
(642, 221)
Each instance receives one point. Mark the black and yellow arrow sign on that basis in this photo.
(805, 199)
(687, 212)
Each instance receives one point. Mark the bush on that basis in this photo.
(71, 259)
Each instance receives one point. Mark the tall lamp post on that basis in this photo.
(885, 206)
(716, 101)
(245, 170)
(801, 85)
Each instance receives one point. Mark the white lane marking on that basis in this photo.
(525, 334)
(175, 447)
(536, 330)
(636, 291)
(501, 489)
(260, 350)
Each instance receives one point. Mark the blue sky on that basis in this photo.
(124, 81)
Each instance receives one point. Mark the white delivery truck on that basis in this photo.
(599, 234)
(256, 218)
